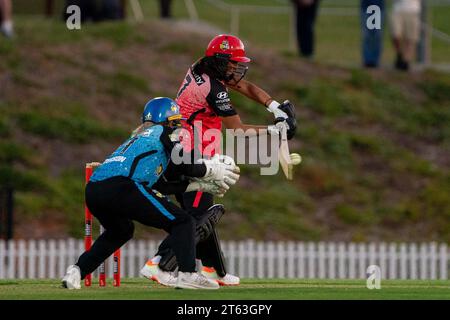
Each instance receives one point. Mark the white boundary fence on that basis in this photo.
(249, 259)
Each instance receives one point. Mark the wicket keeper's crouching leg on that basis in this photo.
(116, 202)
(120, 191)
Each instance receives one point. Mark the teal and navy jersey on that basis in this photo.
(142, 158)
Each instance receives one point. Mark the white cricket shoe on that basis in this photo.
(193, 280)
(152, 271)
(72, 278)
(227, 280)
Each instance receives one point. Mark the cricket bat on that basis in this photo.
(284, 155)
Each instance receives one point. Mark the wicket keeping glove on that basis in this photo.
(219, 171)
(207, 186)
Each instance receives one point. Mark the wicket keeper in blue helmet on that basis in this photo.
(162, 111)
(130, 185)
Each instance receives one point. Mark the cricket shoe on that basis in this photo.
(152, 271)
(72, 278)
(227, 280)
(194, 280)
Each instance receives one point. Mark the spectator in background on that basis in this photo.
(306, 12)
(165, 9)
(97, 10)
(6, 27)
(111, 10)
(372, 39)
(405, 23)
(88, 8)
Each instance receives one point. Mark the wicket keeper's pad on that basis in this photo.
(205, 226)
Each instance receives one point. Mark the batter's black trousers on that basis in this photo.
(116, 202)
(209, 250)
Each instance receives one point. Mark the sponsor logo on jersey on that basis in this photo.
(198, 78)
(115, 159)
(222, 95)
(224, 107)
(147, 132)
(224, 45)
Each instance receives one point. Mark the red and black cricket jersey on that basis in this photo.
(203, 100)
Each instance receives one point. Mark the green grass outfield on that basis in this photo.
(138, 289)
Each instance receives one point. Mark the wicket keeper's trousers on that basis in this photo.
(116, 202)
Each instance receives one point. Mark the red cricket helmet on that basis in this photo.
(226, 44)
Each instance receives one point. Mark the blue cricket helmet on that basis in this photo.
(160, 110)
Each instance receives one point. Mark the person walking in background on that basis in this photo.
(6, 27)
(97, 11)
(165, 9)
(112, 10)
(372, 39)
(306, 12)
(89, 11)
(405, 23)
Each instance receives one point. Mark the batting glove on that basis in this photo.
(274, 107)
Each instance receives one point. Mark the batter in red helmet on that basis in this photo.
(205, 103)
(203, 95)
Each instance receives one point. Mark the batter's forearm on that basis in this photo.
(249, 130)
(235, 123)
(253, 92)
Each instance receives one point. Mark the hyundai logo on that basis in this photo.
(222, 95)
